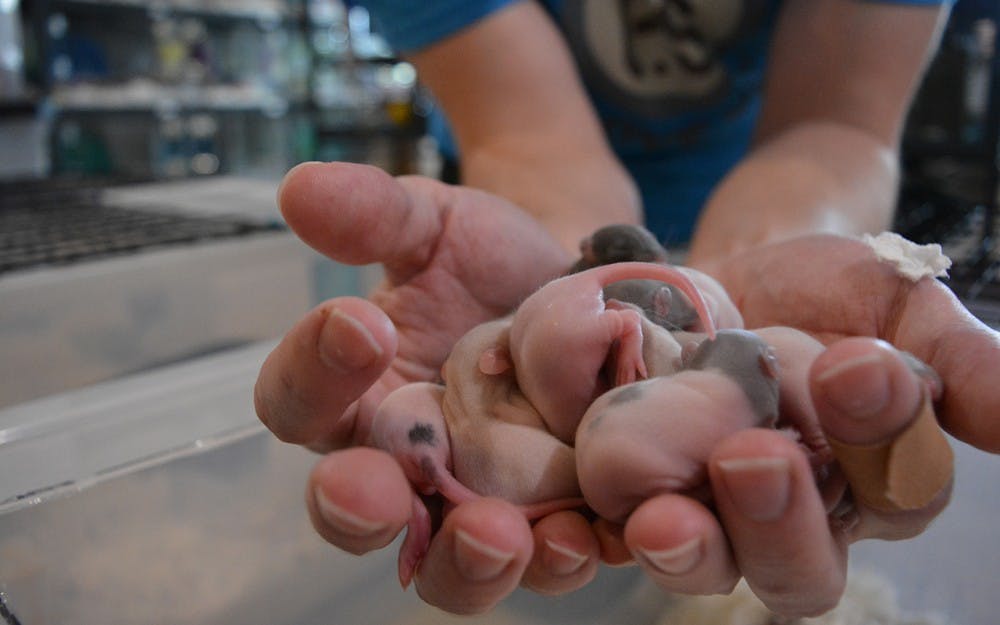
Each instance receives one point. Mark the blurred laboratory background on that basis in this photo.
(145, 272)
(133, 127)
(138, 90)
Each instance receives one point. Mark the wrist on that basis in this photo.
(815, 178)
(570, 195)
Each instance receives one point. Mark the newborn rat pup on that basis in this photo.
(474, 436)
(480, 434)
(655, 436)
(747, 360)
(662, 304)
(619, 243)
(563, 336)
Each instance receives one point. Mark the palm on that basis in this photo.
(834, 287)
(454, 257)
(833, 290)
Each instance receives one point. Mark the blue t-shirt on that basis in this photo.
(677, 83)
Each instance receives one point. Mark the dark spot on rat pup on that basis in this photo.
(622, 395)
(625, 394)
(422, 434)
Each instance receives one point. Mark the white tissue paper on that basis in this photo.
(913, 261)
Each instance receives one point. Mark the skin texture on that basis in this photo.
(570, 314)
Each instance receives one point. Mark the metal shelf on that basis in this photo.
(154, 97)
(260, 15)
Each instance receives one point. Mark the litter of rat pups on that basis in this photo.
(623, 369)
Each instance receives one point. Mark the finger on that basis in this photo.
(324, 363)
(935, 327)
(566, 554)
(777, 523)
(681, 545)
(875, 409)
(477, 558)
(358, 499)
(359, 214)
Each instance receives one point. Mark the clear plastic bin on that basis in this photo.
(159, 499)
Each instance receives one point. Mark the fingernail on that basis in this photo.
(562, 560)
(676, 560)
(758, 487)
(478, 561)
(858, 388)
(346, 345)
(344, 521)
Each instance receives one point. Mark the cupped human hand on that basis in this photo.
(453, 258)
(779, 517)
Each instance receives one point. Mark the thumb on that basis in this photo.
(308, 388)
(875, 408)
(359, 214)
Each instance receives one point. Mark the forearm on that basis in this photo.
(815, 177)
(572, 191)
(524, 126)
(840, 79)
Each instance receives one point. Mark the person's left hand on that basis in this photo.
(770, 522)
(453, 257)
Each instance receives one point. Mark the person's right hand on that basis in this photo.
(453, 258)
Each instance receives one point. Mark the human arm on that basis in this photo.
(524, 126)
(321, 384)
(825, 154)
(313, 397)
